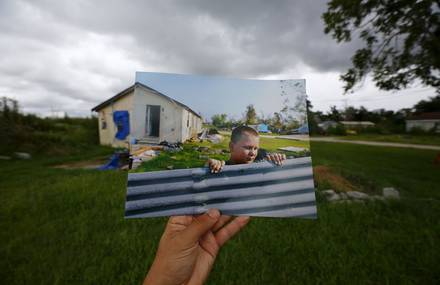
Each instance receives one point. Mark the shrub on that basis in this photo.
(338, 130)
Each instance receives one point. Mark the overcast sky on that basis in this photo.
(71, 55)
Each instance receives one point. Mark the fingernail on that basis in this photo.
(214, 213)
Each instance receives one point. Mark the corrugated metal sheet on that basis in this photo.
(258, 189)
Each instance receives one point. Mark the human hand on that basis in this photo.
(189, 247)
(215, 165)
(276, 158)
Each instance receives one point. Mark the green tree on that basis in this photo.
(334, 114)
(219, 120)
(276, 122)
(251, 115)
(432, 105)
(401, 40)
(311, 118)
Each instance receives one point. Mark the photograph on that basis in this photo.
(199, 142)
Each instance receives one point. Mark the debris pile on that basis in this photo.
(211, 135)
(217, 138)
(141, 153)
(295, 152)
(171, 147)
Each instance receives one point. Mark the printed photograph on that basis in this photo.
(200, 142)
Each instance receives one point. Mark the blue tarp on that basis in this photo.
(122, 121)
(263, 128)
(304, 129)
(112, 164)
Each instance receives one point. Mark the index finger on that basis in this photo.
(231, 229)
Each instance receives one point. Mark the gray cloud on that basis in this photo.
(74, 54)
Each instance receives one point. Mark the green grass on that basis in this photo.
(67, 226)
(274, 144)
(411, 171)
(190, 157)
(406, 138)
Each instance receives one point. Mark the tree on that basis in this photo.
(9, 108)
(219, 120)
(276, 122)
(401, 40)
(294, 111)
(311, 119)
(334, 114)
(433, 105)
(251, 115)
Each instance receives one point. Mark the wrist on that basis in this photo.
(156, 276)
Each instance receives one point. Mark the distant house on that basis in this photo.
(325, 125)
(142, 113)
(356, 124)
(424, 121)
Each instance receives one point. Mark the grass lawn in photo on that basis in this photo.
(66, 225)
(191, 158)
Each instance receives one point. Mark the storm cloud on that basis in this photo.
(71, 55)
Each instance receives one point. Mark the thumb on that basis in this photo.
(200, 225)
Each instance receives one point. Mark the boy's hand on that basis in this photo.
(276, 158)
(215, 165)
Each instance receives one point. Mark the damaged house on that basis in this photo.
(142, 113)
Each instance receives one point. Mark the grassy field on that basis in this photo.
(191, 157)
(66, 226)
(406, 138)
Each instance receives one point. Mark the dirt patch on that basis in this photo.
(325, 177)
(86, 164)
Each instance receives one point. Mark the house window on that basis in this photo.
(103, 124)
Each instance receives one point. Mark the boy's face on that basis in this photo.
(245, 150)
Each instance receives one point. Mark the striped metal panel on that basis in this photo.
(259, 189)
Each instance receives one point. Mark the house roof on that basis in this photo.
(130, 89)
(425, 116)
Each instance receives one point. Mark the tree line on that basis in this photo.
(30, 133)
(279, 122)
(386, 121)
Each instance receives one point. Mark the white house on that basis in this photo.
(325, 125)
(425, 121)
(142, 113)
(357, 124)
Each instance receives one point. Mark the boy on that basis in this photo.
(244, 148)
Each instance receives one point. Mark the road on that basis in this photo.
(372, 143)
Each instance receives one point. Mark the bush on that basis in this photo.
(418, 131)
(29, 133)
(338, 130)
(213, 131)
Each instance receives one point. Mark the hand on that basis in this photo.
(189, 246)
(276, 158)
(215, 165)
